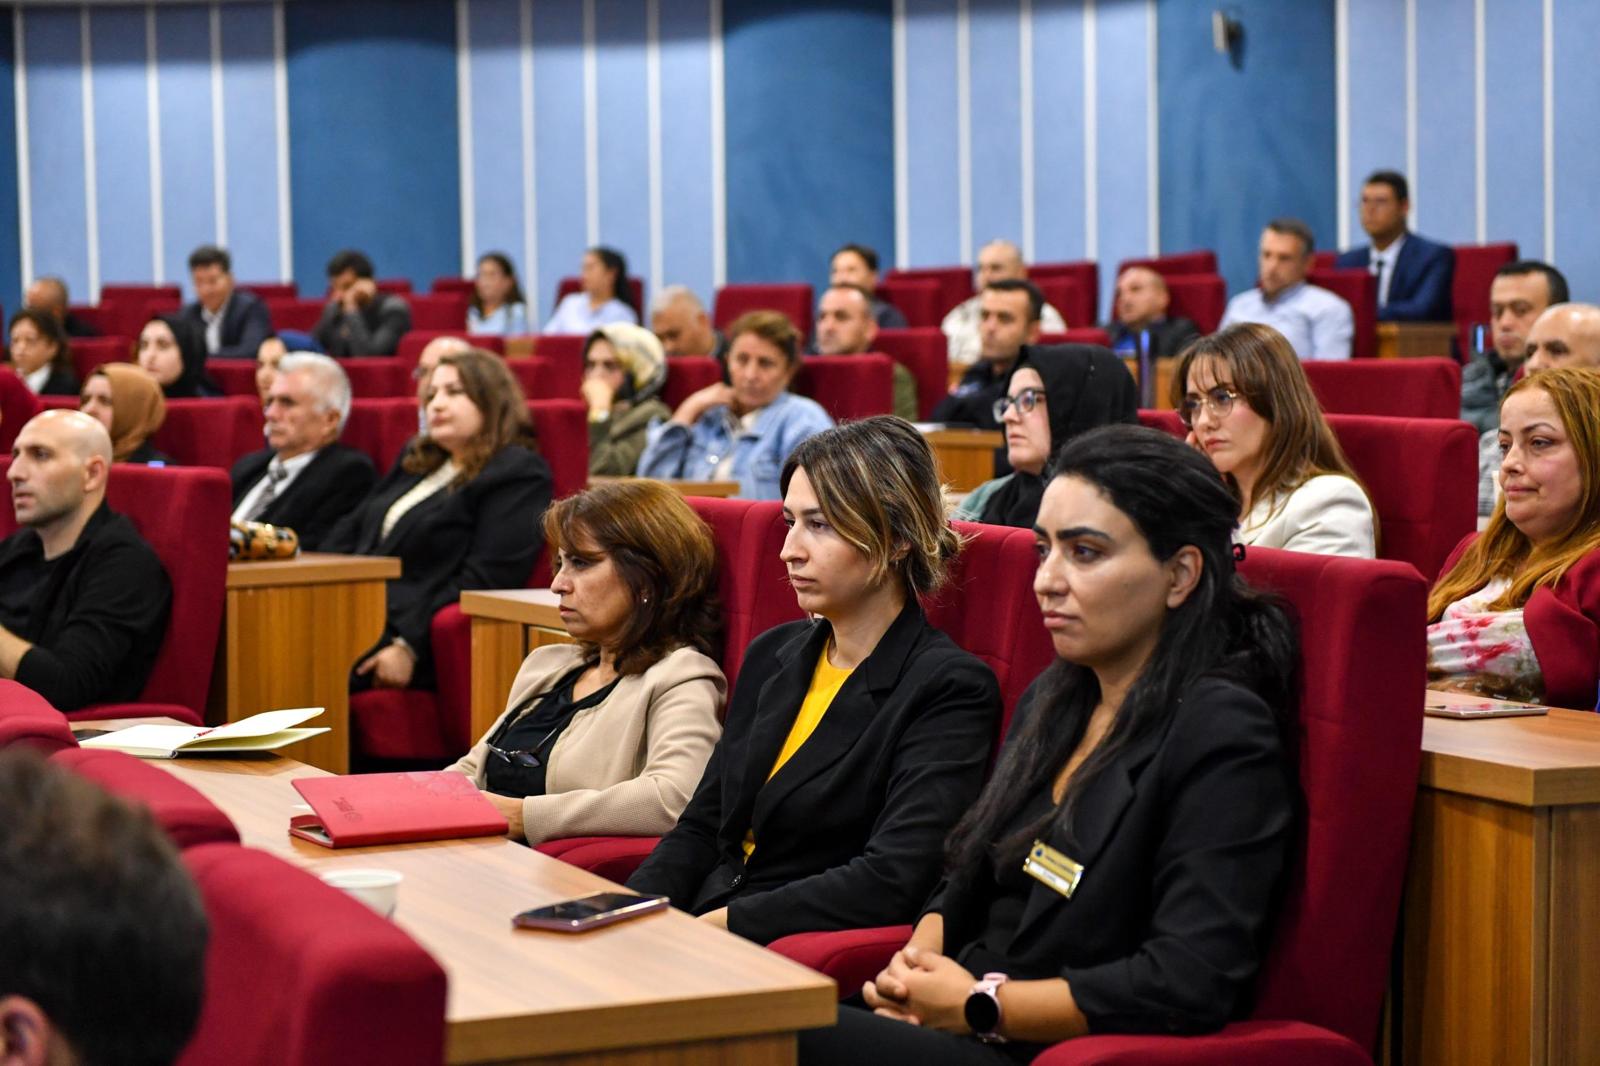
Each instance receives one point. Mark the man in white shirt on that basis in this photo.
(999, 260)
(1316, 323)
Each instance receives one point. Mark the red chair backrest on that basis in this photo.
(1085, 273)
(236, 377)
(1087, 335)
(1174, 264)
(1067, 296)
(1402, 388)
(397, 286)
(453, 284)
(379, 427)
(1363, 640)
(1324, 260)
(100, 319)
(1166, 421)
(1201, 298)
(211, 432)
(186, 815)
(125, 293)
(569, 285)
(17, 405)
(370, 375)
(302, 315)
(753, 583)
(848, 386)
(1469, 286)
(272, 290)
(955, 283)
(547, 379)
(1359, 289)
(688, 374)
(567, 346)
(91, 352)
(563, 428)
(414, 340)
(924, 352)
(27, 719)
(443, 310)
(299, 972)
(916, 298)
(793, 300)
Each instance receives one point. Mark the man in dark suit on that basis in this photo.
(1413, 273)
(1141, 301)
(304, 478)
(235, 322)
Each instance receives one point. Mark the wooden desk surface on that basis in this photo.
(531, 607)
(312, 568)
(939, 436)
(1544, 760)
(662, 979)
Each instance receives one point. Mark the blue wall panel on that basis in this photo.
(1513, 121)
(1377, 98)
(558, 143)
(1445, 196)
(621, 122)
(10, 225)
(373, 141)
(1122, 96)
(1058, 90)
(996, 123)
(122, 144)
(932, 135)
(810, 134)
(250, 140)
(188, 202)
(1577, 150)
(495, 34)
(686, 223)
(53, 52)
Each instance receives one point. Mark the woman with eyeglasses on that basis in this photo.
(608, 736)
(1053, 395)
(1247, 403)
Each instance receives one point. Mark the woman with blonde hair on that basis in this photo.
(1249, 408)
(127, 400)
(1516, 612)
(857, 737)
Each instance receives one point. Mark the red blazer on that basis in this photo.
(1563, 623)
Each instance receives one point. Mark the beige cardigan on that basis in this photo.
(627, 766)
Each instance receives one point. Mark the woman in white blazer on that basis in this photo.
(1248, 406)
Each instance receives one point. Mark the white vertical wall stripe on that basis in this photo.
(280, 90)
(469, 192)
(1152, 132)
(902, 142)
(591, 127)
(1480, 138)
(1411, 105)
(152, 92)
(1341, 107)
(91, 184)
(1025, 78)
(652, 67)
(24, 182)
(1091, 138)
(719, 156)
(219, 143)
(964, 125)
(1549, 132)
(530, 199)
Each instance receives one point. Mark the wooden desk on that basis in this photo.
(685, 487)
(965, 456)
(661, 989)
(291, 630)
(507, 624)
(1162, 400)
(1501, 942)
(1414, 340)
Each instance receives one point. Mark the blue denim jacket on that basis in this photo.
(672, 450)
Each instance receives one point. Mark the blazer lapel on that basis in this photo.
(777, 704)
(387, 545)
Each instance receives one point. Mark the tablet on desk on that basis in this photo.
(1468, 707)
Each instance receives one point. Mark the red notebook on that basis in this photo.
(393, 809)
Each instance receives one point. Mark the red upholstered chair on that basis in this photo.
(27, 719)
(569, 285)
(186, 815)
(299, 972)
(1066, 295)
(848, 386)
(688, 374)
(1469, 287)
(1403, 388)
(236, 377)
(1087, 335)
(916, 298)
(547, 379)
(100, 319)
(121, 293)
(301, 315)
(464, 286)
(563, 428)
(127, 308)
(567, 346)
(1199, 297)
(794, 301)
(378, 376)
(58, 403)
(1324, 260)
(272, 290)
(955, 283)
(91, 352)
(1166, 421)
(445, 310)
(924, 352)
(1359, 289)
(1175, 264)
(1085, 273)
(414, 340)
(379, 427)
(17, 405)
(396, 286)
(212, 432)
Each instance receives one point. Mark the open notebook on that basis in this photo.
(259, 732)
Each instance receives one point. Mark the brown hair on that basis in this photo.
(772, 327)
(1504, 551)
(494, 391)
(51, 329)
(1266, 373)
(137, 406)
(663, 552)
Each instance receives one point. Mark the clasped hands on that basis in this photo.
(924, 988)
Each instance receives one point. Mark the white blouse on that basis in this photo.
(1326, 515)
(1483, 651)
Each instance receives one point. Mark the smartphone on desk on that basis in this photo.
(589, 912)
(1466, 707)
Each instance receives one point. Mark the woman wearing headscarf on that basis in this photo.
(128, 402)
(1054, 393)
(624, 370)
(173, 350)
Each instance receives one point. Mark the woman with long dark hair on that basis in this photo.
(606, 296)
(1118, 872)
(498, 306)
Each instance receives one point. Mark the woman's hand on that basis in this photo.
(598, 394)
(887, 994)
(936, 991)
(391, 666)
(698, 403)
(512, 809)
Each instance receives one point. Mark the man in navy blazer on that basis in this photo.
(235, 322)
(1414, 273)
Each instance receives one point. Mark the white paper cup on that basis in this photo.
(378, 889)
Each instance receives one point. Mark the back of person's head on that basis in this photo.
(1394, 179)
(670, 296)
(497, 395)
(138, 408)
(352, 261)
(211, 255)
(1557, 281)
(54, 291)
(102, 931)
(1504, 551)
(665, 554)
(878, 486)
(1293, 227)
(771, 326)
(330, 385)
(1035, 297)
(615, 262)
(1269, 377)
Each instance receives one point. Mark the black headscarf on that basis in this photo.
(192, 381)
(1085, 386)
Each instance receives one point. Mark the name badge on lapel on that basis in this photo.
(1051, 868)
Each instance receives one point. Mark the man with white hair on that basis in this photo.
(999, 260)
(679, 321)
(83, 599)
(304, 479)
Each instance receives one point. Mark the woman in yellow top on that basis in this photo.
(855, 739)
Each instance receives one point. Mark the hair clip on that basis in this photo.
(1238, 553)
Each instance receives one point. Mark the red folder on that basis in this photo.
(393, 809)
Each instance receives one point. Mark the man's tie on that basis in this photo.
(275, 475)
(1380, 270)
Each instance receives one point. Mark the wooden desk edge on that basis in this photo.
(497, 605)
(312, 568)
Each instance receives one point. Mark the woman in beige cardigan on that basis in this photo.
(609, 736)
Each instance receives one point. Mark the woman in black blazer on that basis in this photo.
(853, 741)
(40, 353)
(462, 509)
(1119, 871)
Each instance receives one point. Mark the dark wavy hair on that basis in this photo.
(1224, 629)
(664, 553)
(617, 263)
(51, 331)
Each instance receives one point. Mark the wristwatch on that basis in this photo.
(983, 1008)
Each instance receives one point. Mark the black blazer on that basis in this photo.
(849, 832)
(61, 382)
(485, 534)
(1183, 843)
(330, 487)
(1167, 336)
(245, 324)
